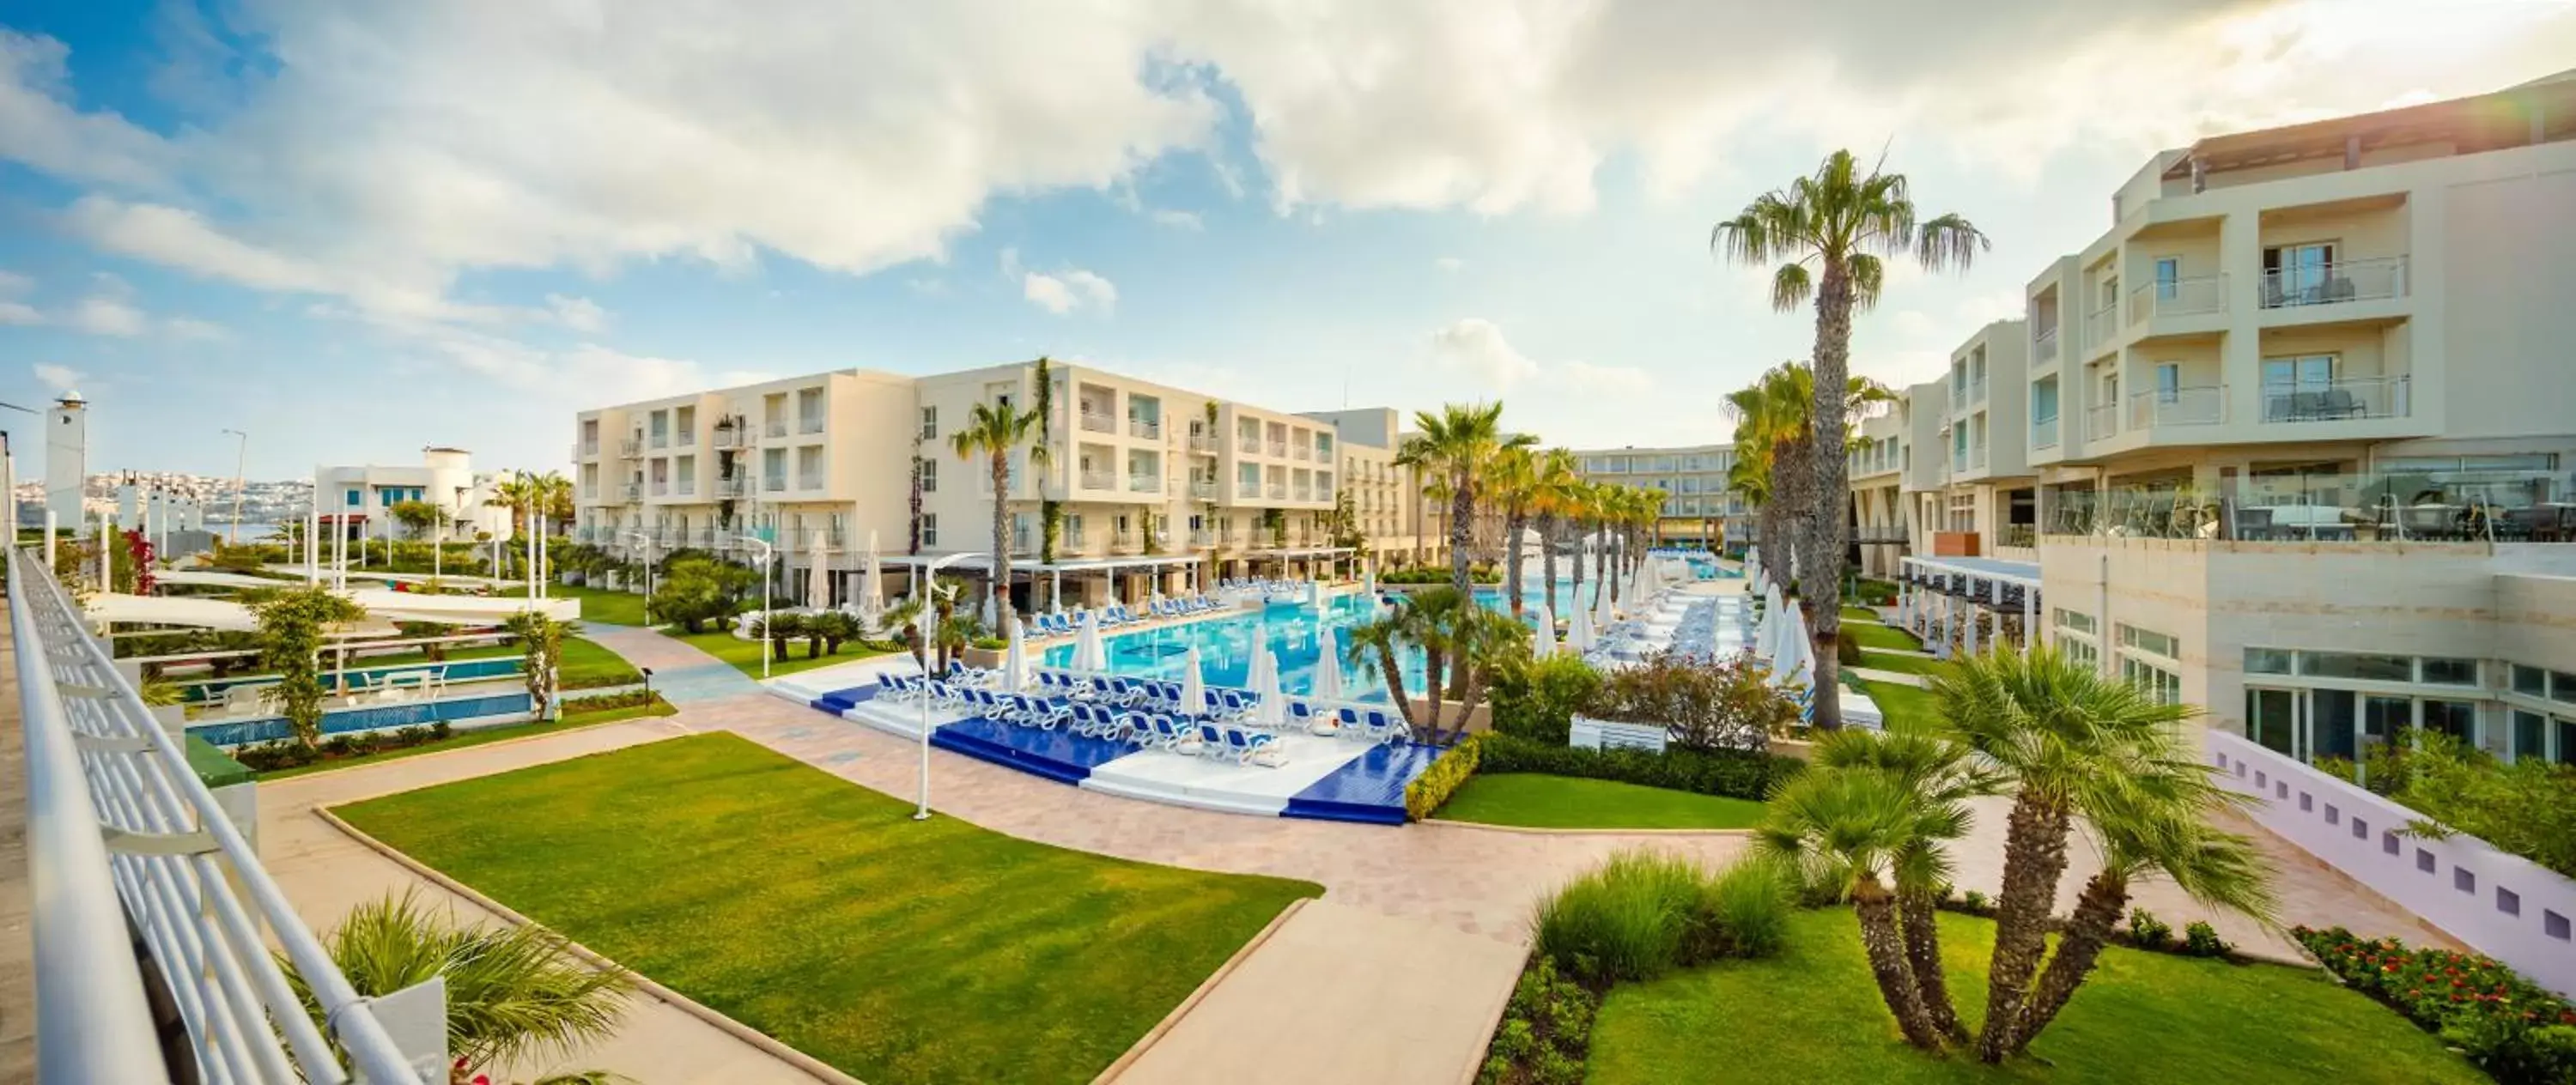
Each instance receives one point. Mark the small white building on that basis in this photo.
(360, 500)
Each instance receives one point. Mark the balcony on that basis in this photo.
(661, 440)
(630, 448)
(1302, 452)
(1977, 390)
(1305, 493)
(776, 484)
(809, 482)
(734, 486)
(2335, 284)
(2196, 405)
(2043, 432)
(1977, 458)
(688, 487)
(775, 427)
(1203, 489)
(2101, 421)
(728, 437)
(2342, 400)
(2197, 296)
(686, 438)
(585, 450)
(1202, 443)
(1148, 428)
(2101, 327)
(2043, 348)
(1144, 484)
(2381, 506)
(1279, 491)
(661, 488)
(632, 492)
(810, 424)
(1099, 480)
(1098, 421)
(1279, 450)
(1201, 540)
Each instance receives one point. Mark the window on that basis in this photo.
(2562, 686)
(353, 500)
(2168, 381)
(2148, 640)
(2267, 661)
(2074, 621)
(2168, 277)
(2082, 651)
(2530, 681)
(2165, 686)
(929, 529)
(929, 475)
(1073, 526)
(930, 423)
(2449, 672)
(2296, 274)
(2368, 668)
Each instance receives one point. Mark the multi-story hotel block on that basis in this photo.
(1699, 508)
(359, 500)
(1147, 480)
(2292, 439)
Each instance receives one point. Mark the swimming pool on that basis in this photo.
(1296, 632)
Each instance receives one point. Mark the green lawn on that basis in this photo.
(1812, 1014)
(597, 605)
(1901, 702)
(1858, 614)
(482, 736)
(1537, 800)
(745, 654)
(1874, 635)
(587, 665)
(819, 912)
(1901, 664)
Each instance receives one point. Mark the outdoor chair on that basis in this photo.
(2253, 523)
(1253, 748)
(2426, 522)
(1388, 729)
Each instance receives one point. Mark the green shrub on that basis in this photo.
(1546, 1030)
(1628, 919)
(2508, 1027)
(1537, 699)
(2202, 940)
(1878, 593)
(1727, 705)
(2148, 932)
(1975, 903)
(1848, 652)
(1429, 791)
(1731, 774)
(1744, 910)
(604, 702)
(2527, 808)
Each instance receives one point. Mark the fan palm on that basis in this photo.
(1512, 479)
(993, 430)
(513, 993)
(1457, 445)
(1856, 827)
(2071, 742)
(1841, 221)
(1555, 480)
(1942, 778)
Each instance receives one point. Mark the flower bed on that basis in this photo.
(2510, 1028)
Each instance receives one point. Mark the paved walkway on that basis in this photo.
(681, 672)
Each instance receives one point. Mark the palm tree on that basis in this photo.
(513, 992)
(2071, 742)
(1556, 481)
(1458, 445)
(552, 494)
(1857, 826)
(1382, 641)
(1775, 436)
(1512, 481)
(1942, 778)
(517, 493)
(994, 429)
(1840, 220)
(1461, 644)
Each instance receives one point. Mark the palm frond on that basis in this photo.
(1868, 278)
(1791, 286)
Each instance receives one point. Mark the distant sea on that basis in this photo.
(249, 532)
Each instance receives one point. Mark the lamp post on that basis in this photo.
(241, 460)
(766, 552)
(647, 542)
(922, 631)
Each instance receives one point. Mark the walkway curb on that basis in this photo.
(1535, 830)
(756, 1038)
(1170, 1020)
(493, 745)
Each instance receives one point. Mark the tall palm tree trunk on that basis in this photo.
(2034, 858)
(1462, 521)
(1393, 675)
(1431, 660)
(1828, 535)
(1513, 522)
(1547, 555)
(1915, 909)
(1001, 466)
(1879, 938)
(2097, 909)
(1576, 599)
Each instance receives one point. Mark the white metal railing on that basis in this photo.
(630, 448)
(1098, 421)
(2195, 405)
(1143, 484)
(729, 436)
(2335, 283)
(2101, 326)
(2043, 349)
(733, 486)
(120, 830)
(634, 491)
(2180, 297)
(1202, 443)
(2339, 400)
(1099, 480)
(809, 424)
(2043, 432)
(1147, 428)
(1278, 492)
(775, 427)
(2101, 420)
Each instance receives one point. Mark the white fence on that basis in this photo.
(2504, 906)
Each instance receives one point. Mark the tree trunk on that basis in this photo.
(915, 545)
(1547, 555)
(1462, 514)
(2097, 911)
(1879, 938)
(1923, 959)
(1394, 676)
(1577, 598)
(1829, 535)
(1513, 521)
(1431, 670)
(1001, 577)
(2034, 858)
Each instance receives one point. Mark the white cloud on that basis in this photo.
(12, 283)
(12, 312)
(1179, 220)
(1063, 291)
(1475, 348)
(60, 378)
(579, 314)
(189, 329)
(100, 314)
(1449, 263)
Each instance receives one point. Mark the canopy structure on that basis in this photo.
(1029, 571)
(383, 607)
(1961, 601)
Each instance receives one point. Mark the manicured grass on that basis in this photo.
(597, 604)
(1901, 702)
(1540, 801)
(1901, 664)
(1812, 1014)
(1874, 635)
(1858, 614)
(483, 736)
(819, 912)
(587, 665)
(745, 654)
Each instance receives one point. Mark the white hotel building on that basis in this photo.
(1155, 485)
(2294, 439)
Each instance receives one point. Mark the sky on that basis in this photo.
(354, 230)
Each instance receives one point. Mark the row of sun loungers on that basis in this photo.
(1260, 584)
(1211, 738)
(1115, 615)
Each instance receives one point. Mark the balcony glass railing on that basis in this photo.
(728, 437)
(2102, 420)
(630, 448)
(1249, 446)
(736, 486)
(2195, 405)
(2347, 399)
(2181, 297)
(1302, 452)
(632, 491)
(2382, 506)
(2043, 347)
(1147, 428)
(661, 488)
(1144, 484)
(661, 440)
(776, 484)
(1200, 442)
(686, 439)
(1205, 490)
(1098, 480)
(2335, 283)
(810, 424)
(587, 448)
(1098, 421)
(2101, 326)
(2043, 432)
(1278, 491)
(775, 427)
(1279, 449)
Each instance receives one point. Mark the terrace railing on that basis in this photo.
(2043, 433)
(1148, 428)
(2179, 297)
(1099, 421)
(1279, 450)
(2340, 400)
(2043, 348)
(2101, 420)
(2197, 405)
(2336, 283)
(1200, 442)
(2101, 326)
(775, 427)
(128, 849)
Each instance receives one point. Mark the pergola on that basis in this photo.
(1957, 596)
(1310, 554)
(1055, 571)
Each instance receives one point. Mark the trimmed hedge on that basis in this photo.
(1430, 790)
(1734, 775)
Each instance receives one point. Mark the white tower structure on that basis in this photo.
(67, 458)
